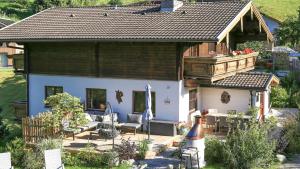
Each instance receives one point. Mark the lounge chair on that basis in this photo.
(53, 159)
(134, 122)
(5, 161)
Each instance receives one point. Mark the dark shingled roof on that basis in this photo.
(247, 80)
(191, 22)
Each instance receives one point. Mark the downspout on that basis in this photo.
(251, 99)
(26, 67)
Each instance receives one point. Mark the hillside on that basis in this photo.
(278, 9)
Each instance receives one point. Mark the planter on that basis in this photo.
(150, 146)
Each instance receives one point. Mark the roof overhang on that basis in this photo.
(255, 12)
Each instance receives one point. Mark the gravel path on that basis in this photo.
(292, 164)
(162, 160)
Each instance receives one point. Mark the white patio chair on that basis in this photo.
(5, 161)
(53, 159)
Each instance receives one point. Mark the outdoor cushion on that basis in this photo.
(131, 125)
(89, 125)
(88, 117)
(134, 118)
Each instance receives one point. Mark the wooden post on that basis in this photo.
(252, 13)
(242, 24)
(260, 26)
(227, 42)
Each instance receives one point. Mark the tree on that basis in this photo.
(279, 97)
(289, 31)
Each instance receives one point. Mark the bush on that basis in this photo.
(17, 149)
(142, 148)
(292, 134)
(250, 147)
(34, 159)
(126, 150)
(279, 97)
(65, 107)
(214, 150)
(3, 130)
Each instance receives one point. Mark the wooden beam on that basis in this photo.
(259, 26)
(227, 41)
(234, 22)
(252, 14)
(242, 23)
(27, 69)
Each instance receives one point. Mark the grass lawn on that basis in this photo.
(278, 9)
(11, 88)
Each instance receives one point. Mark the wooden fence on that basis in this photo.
(34, 129)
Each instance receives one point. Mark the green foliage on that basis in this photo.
(214, 150)
(65, 107)
(292, 134)
(291, 83)
(289, 31)
(115, 2)
(16, 147)
(246, 146)
(142, 148)
(34, 159)
(3, 129)
(279, 97)
(255, 45)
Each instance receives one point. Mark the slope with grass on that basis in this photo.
(12, 87)
(278, 9)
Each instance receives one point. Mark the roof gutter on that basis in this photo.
(106, 40)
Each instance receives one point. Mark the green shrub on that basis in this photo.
(65, 107)
(71, 159)
(17, 149)
(279, 97)
(214, 150)
(110, 159)
(250, 147)
(115, 2)
(34, 159)
(292, 134)
(142, 148)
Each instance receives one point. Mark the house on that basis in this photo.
(7, 52)
(182, 50)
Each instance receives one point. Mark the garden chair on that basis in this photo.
(5, 161)
(53, 159)
(187, 155)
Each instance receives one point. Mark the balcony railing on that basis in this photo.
(210, 69)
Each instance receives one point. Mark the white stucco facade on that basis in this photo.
(175, 110)
(171, 97)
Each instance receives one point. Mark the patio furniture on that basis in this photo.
(223, 124)
(211, 123)
(53, 159)
(187, 155)
(134, 122)
(106, 131)
(161, 127)
(5, 161)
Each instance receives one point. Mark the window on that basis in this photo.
(257, 97)
(139, 102)
(52, 90)
(96, 99)
(193, 100)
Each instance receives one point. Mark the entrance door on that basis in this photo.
(193, 100)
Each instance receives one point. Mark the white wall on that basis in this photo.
(211, 99)
(77, 86)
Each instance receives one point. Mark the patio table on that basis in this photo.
(218, 117)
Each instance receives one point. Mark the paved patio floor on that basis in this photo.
(100, 144)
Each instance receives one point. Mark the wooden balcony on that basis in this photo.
(206, 70)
